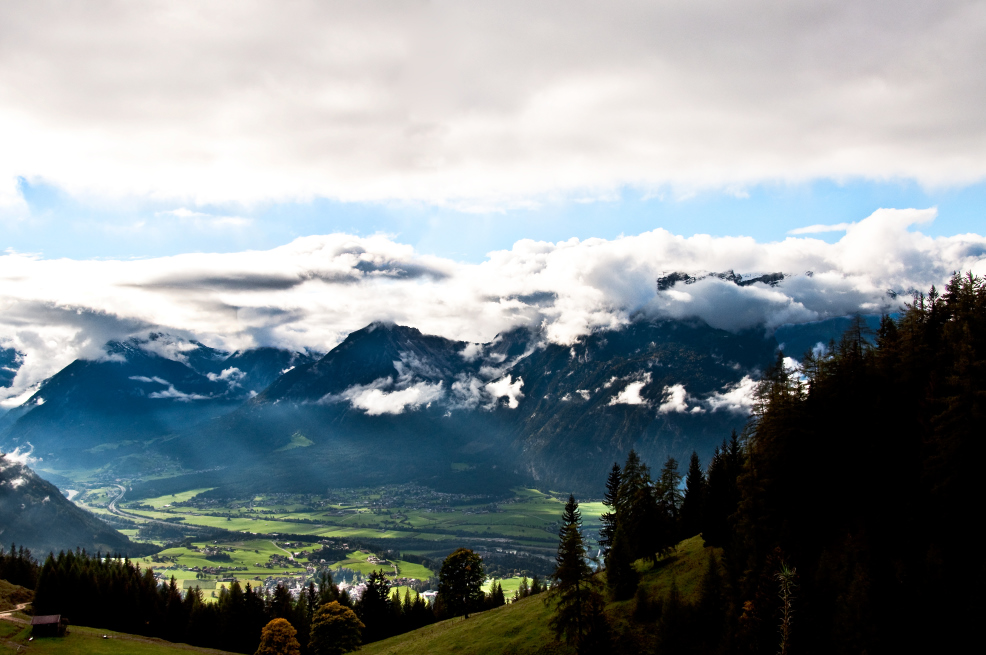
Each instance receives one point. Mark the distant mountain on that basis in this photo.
(33, 513)
(391, 404)
(142, 390)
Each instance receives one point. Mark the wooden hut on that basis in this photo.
(49, 625)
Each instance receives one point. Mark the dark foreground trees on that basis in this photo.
(848, 511)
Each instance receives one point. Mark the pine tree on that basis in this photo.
(611, 499)
(669, 485)
(621, 577)
(573, 588)
(638, 514)
(374, 608)
(523, 590)
(694, 501)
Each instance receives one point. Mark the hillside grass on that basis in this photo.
(89, 641)
(12, 595)
(523, 627)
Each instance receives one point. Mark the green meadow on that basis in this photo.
(522, 628)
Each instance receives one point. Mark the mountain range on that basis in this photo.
(390, 404)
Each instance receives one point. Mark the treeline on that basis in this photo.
(116, 594)
(847, 511)
(18, 567)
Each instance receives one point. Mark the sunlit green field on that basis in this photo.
(530, 518)
(510, 585)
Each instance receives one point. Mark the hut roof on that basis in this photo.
(46, 619)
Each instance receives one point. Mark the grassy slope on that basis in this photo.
(12, 595)
(522, 627)
(90, 642)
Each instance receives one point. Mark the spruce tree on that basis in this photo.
(374, 608)
(611, 499)
(621, 577)
(573, 588)
(694, 501)
(669, 484)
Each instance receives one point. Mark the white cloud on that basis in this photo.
(738, 399)
(169, 348)
(630, 395)
(231, 375)
(252, 101)
(505, 388)
(21, 456)
(174, 394)
(375, 399)
(316, 290)
(675, 400)
(144, 378)
(472, 352)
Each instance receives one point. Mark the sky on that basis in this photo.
(261, 173)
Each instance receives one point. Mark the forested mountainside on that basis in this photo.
(34, 514)
(859, 490)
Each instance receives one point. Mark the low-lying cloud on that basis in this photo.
(381, 396)
(54, 311)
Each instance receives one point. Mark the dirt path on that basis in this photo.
(9, 614)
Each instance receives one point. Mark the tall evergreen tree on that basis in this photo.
(374, 608)
(611, 499)
(693, 503)
(669, 485)
(573, 589)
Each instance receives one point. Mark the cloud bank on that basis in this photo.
(483, 104)
(315, 290)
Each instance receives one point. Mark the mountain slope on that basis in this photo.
(140, 391)
(391, 404)
(34, 514)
